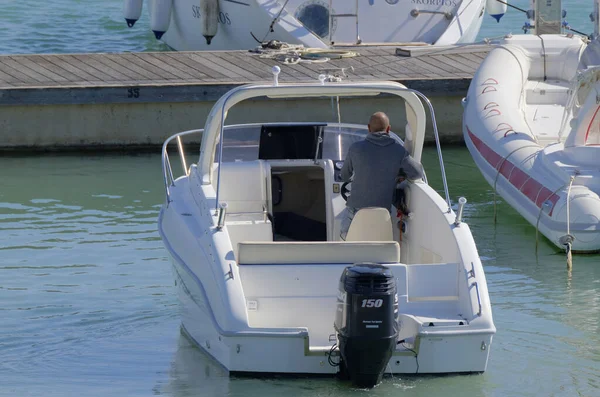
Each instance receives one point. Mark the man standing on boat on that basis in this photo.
(374, 165)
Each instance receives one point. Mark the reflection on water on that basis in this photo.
(89, 307)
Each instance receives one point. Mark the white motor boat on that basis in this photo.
(532, 126)
(193, 25)
(267, 286)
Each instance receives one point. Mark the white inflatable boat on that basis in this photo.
(532, 124)
(267, 285)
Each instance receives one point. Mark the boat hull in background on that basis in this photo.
(242, 24)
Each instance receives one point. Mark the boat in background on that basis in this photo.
(265, 282)
(532, 124)
(191, 25)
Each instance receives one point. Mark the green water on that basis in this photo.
(89, 307)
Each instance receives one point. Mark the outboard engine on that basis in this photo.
(366, 322)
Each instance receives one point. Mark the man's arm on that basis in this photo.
(412, 168)
(347, 169)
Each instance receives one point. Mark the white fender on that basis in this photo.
(132, 10)
(210, 18)
(496, 9)
(160, 16)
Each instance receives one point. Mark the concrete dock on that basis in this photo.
(122, 100)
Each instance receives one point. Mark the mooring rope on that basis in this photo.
(568, 238)
(293, 54)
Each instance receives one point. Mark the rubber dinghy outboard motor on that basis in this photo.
(366, 322)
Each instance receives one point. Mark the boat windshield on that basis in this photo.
(241, 142)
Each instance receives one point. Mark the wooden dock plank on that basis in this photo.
(22, 72)
(262, 68)
(64, 64)
(39, 68)
(11, 68)
(97, 68)
(358, 65)
(158, 67)
(130, 66)
(185, 63)
(440, 67)
(189, 76)
(207, 67)
(432, 69)
(228, 63)
(8, 80)
(473, 58)
(68, 74)
(71, 63)
(455, 63)
(231, 63)
(400, 67)
(173, 67)
(374, 69)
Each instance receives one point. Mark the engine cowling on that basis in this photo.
(366, 322)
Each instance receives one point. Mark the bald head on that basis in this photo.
(379, 122)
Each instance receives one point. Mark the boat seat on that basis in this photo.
(248, 227)
(549, 92)
(245, 185)
(317, 252)
(371, 224)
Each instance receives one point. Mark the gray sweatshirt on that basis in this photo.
(375, 163)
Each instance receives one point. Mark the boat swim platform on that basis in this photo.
(121, 100)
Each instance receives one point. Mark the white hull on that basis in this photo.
(441, 349)
(239, 20)
(261, 294)
(528, 139)
(444, 348)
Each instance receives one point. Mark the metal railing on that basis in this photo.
(168, 177)
(435, 132)
(471, 274)
(416, 12)
(437, 144)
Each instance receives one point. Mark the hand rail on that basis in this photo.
(471, 274)
(404, 89)
(168, 177)
(437, 144)
(472, 271)
(478, 297)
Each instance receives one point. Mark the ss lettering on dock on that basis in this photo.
(133, 92)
